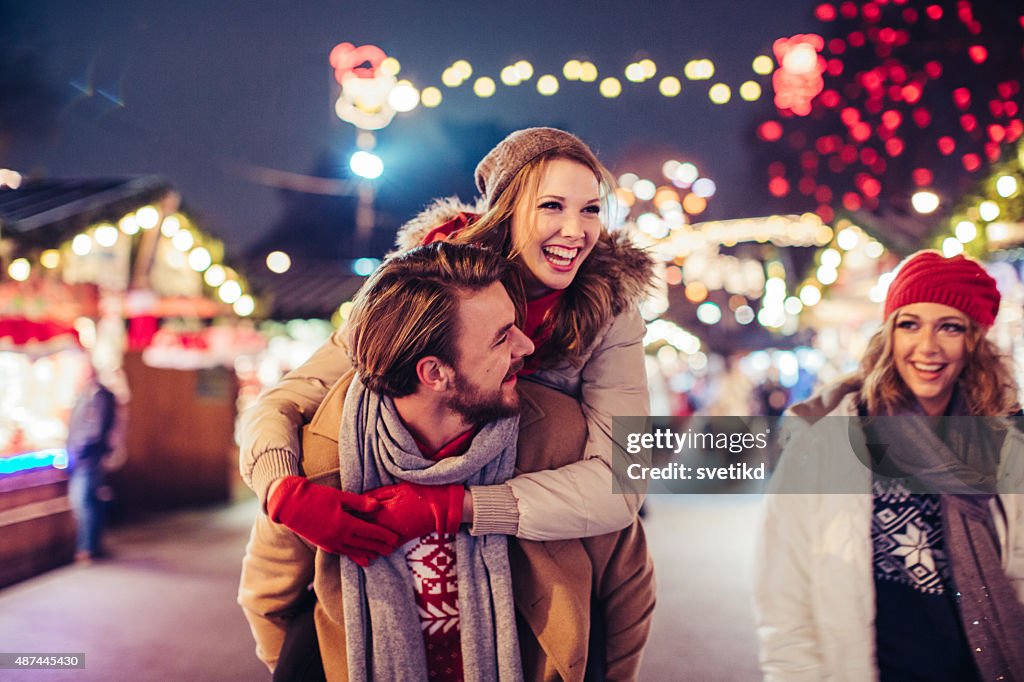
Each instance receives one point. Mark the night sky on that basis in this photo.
(194, 90)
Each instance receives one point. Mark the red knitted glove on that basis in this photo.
(413, 510)
(320, 515)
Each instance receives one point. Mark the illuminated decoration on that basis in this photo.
(484, 87)
(670, 86)
(50, 259)
(56, 458)
(431, 97)
(364, 267)
(147, 217)
(892, 118)
(547, 85)
(19, 269)
(720, 93)
(199, 259)
(365, 86)
(798, 80)
(366, 165)
(9, 178)
(925, 202)
(278, 262)
(404, 97)
(106, 235)
(611, 87)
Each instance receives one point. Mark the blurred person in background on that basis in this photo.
(920, 574)
(93, 437)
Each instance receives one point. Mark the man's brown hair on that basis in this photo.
(408, 310)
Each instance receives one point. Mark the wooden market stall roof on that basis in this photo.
(42, 212)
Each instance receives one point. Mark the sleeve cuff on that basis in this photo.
(495, 510)
(270, 466)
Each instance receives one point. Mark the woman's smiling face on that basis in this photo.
(555, 232)
(929, 346)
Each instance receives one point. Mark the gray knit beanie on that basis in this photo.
(496, 170)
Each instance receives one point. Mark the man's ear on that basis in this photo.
(434, 374)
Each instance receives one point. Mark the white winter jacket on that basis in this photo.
(815, 590)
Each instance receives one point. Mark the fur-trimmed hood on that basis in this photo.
(614, 263)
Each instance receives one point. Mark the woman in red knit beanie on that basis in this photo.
(917, 574)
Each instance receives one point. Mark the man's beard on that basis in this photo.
(477, 407)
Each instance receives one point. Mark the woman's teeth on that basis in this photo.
(559, 255)
(927, 368)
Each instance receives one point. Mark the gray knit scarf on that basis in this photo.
(382, 626)
(957, 456)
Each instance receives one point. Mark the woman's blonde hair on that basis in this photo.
(986, 380)
(582, 310)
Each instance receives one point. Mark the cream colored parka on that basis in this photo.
(814, 575)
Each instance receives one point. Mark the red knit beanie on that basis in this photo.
(959, 282)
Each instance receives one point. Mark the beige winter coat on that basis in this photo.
(553, 582)
(570, 502)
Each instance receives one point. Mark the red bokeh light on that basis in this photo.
(977, 53)
(770, 131)
(872, 80)
(825, 12)
(992, 151)
(851, 201)
(962, 98)
(856, 39)
(879, 166)
(897, 74)
(849, 116)
(892, 119)
(860, 132)
(894, 147)
(873, 105)
(1014, 129)
(806, 186)
(834, 67)
(922, 177)
(888, 36)
(911, 92)
(808, 160)
(848, 154)
(934, 12)
(996, 132)
(776, 168)
(946, 145)
(827, 144)
(972, 162)
(836, 46)
(871, 188)
(1007, 89)
(933, 69)
(825, 213)
(922, 117)
(848, 10)
(910, 15)
(868, 156)
(1010, 109)
(968, 122)
(895, 93)
(778, 187)
(871, 11)
(823, 194)
(829, 98)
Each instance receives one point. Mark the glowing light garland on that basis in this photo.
(892, 117)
